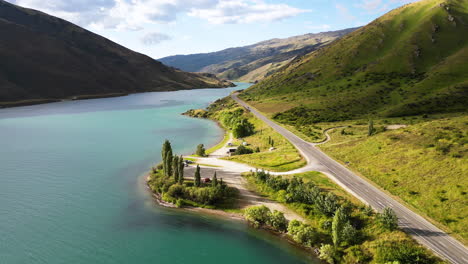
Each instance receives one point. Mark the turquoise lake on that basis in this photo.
(72, 186)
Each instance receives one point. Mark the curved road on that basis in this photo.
(426, 233)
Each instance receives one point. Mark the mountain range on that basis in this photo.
(254, 62)
(412, 60)
(44, 58)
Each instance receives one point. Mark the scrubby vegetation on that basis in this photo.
(167, 180)
(425, 163)
(343, 230)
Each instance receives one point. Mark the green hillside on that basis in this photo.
(45, 59)
(413, 60)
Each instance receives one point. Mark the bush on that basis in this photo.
(243, 129)
(401, 252)
(277, 221)
(327, 253)
(350, 234)
(242, 150)
(176, 191)
(201, 150)
(302, 233)
(356, 254)
(257, 215)
(388, 219)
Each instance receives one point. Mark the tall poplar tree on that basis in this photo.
(175, 168)
(168, 163)
(371, 128)
(164, 151)
(339, 221)
(214, 183)
(197, 177)
(181, 170)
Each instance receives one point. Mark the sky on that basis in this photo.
(160, 28)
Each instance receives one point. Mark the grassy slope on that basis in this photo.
(410, 61)
(424, 164)
(284, 158)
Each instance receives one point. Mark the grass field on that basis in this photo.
(284, 158)
(425, 164)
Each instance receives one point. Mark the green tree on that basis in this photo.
(214, 183)
(350, 234)
(164, 151)
(241, 150)
(181, 170)
(197, 177)
(243, 128)
(272, 143)
(168, 163)
(371, 130)
(257, 215)
(277, 221)
(327, 253)
(201, 150)
(338, 224)
(175, 168)
(388, 219)
(302, 233)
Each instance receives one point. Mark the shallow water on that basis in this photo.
(72, 186)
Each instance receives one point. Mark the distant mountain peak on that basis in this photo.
(254, 62)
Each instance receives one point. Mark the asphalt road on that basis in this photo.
(422, 230)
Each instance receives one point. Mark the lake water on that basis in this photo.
(72, 186)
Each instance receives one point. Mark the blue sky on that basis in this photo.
(161, 28)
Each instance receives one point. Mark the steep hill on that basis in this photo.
(254, 62)
(46, 58)
(413, 60)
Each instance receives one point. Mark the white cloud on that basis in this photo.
(241, 11)
(154, 38)
(376, 6)
(344, 12)
(82, 12)
(133, 14)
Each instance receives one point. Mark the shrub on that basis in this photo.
(302, 233)
(201, 150)
(327, 253)
(242, 150)
(350, 234)
(356, 254)
(176, 191)
(277, 183)
(327, 204)
(243, 129)
(388, 219)
(277, 221)
(257, 215)
(401, 252)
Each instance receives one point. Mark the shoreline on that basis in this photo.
(30, 102)
(216, 212)
(314, 251)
